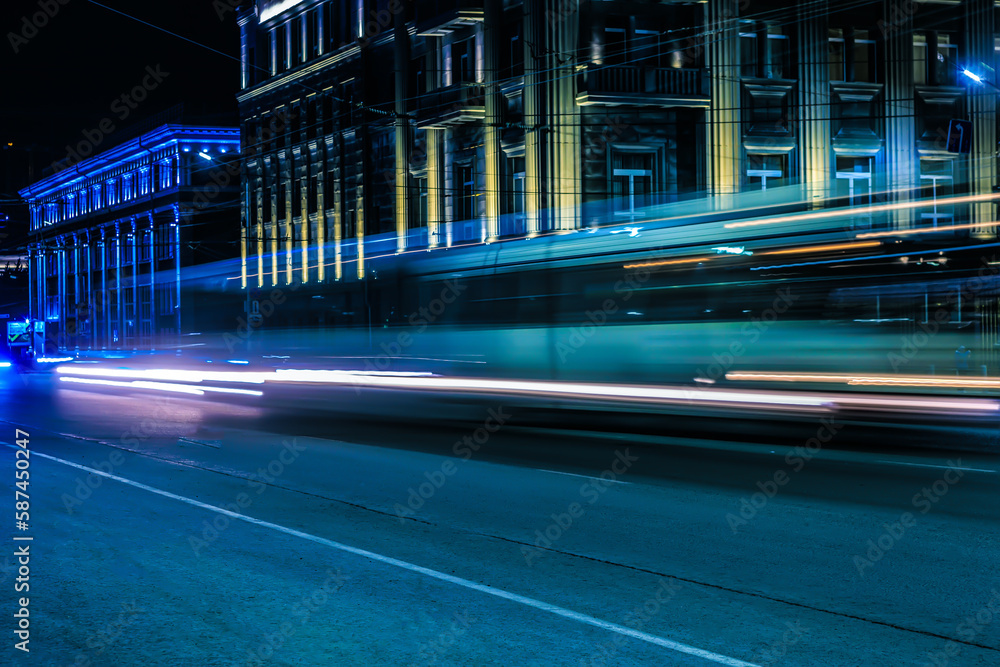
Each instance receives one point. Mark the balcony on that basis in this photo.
(438, 18)
(642, 86)
(446, 107)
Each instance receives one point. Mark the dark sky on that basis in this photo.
(65, 79)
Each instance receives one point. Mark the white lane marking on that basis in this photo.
(573, 474)
(939, 467)
(434, 574)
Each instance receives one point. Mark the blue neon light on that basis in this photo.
(974, 77)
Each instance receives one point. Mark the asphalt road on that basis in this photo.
(175, 530)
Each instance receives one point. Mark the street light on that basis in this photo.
(972, 75)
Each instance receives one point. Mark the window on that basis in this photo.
(329, 188)
(265, 205)
(766, 170)
(296, 41)
(514, 222)
(165, 300)
(615, 46)
(463, 55)
(764, 50)
(328, 114)
(313, 195)
(465, 187)
(626, 44)
(420, 187)
(854, 187)
(165, 243)
(341, 23)
(280, 49)
(166, 176)
(312, 34)
(516, 53)
(632, 182)
(935, 57)
(853, 55)
(937, 182)
(312, 127)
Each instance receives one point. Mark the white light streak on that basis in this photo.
(158, 386)
(278, 7)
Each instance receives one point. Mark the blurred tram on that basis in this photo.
(665, 303)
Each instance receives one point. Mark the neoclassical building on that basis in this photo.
(374, 127)
(111, 234)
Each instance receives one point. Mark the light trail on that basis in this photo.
(840, 213)
(872, 380)
(163, 386)
(701, 396)
(925, 230)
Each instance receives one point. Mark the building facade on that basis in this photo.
(111, 235)
(374, 127)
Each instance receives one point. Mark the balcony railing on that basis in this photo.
(460, 103)
(437, 18)
(651, 86)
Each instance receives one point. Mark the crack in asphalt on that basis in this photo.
(465, 531)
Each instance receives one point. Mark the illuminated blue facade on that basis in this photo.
(112, 234)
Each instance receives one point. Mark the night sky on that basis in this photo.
(65, 80)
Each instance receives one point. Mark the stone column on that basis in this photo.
(119, 289)
(983, 114)
(32, 277)
(814, 100)
(273, 231)
(534, 153)
(304, 217)
(902, 164)
(723, 61)
(105, 307)
(401, 57)
(552, 141)
(492, 153)
(136, 309)
(435, 186)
